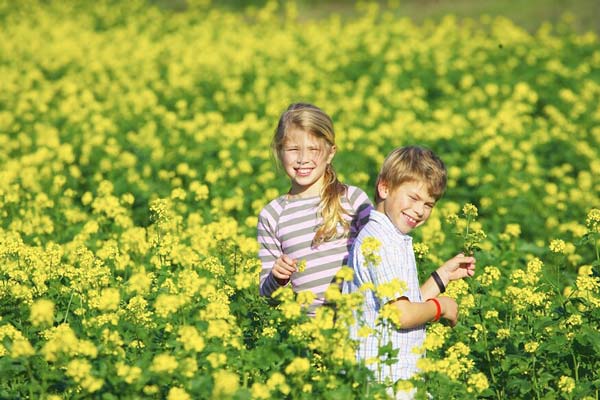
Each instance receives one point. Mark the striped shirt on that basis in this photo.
(288, 226)
(397, 262)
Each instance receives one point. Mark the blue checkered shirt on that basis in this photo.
(397, 261)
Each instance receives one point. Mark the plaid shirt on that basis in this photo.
(397, 261)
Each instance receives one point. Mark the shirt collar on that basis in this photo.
(387, 224)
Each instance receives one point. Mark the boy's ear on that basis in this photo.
(382, 189)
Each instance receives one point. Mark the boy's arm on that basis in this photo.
(416, 314)
(458, 267)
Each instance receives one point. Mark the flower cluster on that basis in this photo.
(132, 171)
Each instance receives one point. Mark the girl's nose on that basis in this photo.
(302, 156)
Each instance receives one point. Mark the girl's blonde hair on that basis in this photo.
(413, 163)
(310, 118)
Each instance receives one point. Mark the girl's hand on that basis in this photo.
(449, 309)
(283, 269)
(458, 267)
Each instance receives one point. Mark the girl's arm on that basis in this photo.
(269, 252)
(361, 207)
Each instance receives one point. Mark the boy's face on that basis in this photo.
(408, 206)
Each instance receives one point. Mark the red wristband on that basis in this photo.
(438, 312)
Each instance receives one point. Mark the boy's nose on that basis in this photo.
(419, 209)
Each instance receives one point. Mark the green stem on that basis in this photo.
(576, 366)
(489, 358)
(379, 369)
(68, 307)
(466, 246)
(31, 380)
(535, 380)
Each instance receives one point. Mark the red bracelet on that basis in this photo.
(438, 312)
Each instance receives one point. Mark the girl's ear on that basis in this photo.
(332, 151)
(382, 189)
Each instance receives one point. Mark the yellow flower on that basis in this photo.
(216, 359)
(587, 283)
(592, 221)
(391, 313)
(503, 333)
(557, 246)
(291, 310)
(436, 336)
(109, 300)
(365, 331)
(566, 384)
(391, 289)
(498, 352)
(167, 304)
(299, 365)
(269, 331)
(469, 210)
(421, 250)
(333, 293)
(513, 230)
(489, 276)
(151, 389)
(62, 339)
(226, 383)
(305, 297)
(275, 380)
(21, 348)
(178, 194)
(129, 374)
(176, 393)
(404, 386)
(164, 363)
(190, 338)
(260, 391)
(345, 274)
(370, 251)
(477, 383)
(301, 265)
(531, 347)
(81, 372)
(42, 312)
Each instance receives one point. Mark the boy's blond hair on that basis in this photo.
(413, 163)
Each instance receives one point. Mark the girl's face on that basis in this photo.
(304, 157)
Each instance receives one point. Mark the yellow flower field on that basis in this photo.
(135, 157)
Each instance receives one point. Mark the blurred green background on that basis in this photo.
(584, 15)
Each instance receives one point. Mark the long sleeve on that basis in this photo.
(362, 206)
(268, 252)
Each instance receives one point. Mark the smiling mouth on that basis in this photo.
(411, 221)
(303, 171)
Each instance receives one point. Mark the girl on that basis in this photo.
(305, 235)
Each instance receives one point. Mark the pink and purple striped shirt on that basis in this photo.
(288, 226)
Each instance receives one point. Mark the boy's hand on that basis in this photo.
(283, 269)
(449, 309)
(458, 267)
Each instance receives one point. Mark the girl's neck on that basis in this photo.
(304, 192)
(300, 196)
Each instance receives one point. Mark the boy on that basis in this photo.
(409, 184)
